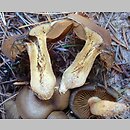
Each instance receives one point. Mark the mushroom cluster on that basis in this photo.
(45, 98)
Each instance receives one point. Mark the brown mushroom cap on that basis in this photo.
(11, 110)
(57, 115)
(61, 101)
(31, 107)
(59, 30)
(79, 99)
(86, 22)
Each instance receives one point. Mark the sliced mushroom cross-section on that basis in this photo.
(96, 39)
(43, 79)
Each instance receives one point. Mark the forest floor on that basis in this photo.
(64, 51)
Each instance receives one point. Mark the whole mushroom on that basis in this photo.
(80, 96)
(30, 106)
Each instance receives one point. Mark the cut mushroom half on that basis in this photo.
(80, 96)
(43, 79)
(105, 108)
(96, 38)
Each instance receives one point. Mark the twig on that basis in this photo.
(125, 39)
(2, 94)
(8, 65)
(111, 25)
(117, 68)
(125, 72)
(109, 20)
(105, 83)
(3, 18)
(117, 41)
(2, 111)
(24, 20)
(8, 99)
(21, 83)
(6, 82)
(37, 23)
(29, 18)
(5, 35)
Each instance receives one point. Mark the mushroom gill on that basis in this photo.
(79, 99)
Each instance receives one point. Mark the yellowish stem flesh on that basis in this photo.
(43, 80)
(76, 74)
(105, 108)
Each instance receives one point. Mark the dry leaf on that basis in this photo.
(13, 46)
(108, 59)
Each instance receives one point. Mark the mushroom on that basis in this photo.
(11, 110)
(31, 107)
(43, 79)
(80, 96)
(57, 115)
(97, 39)
(59, 29)
(105, 108)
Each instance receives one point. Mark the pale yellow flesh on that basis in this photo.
(76, 74)
(105, 108)
(43, 79)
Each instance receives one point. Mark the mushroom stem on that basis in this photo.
(75, 75)
(105, 108)
(42, 77)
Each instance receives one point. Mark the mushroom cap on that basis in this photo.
(61, 101)
(11, 110)
(57, 115)
(86, 22)
(79, 99)
(39, 30)
(59, 30)
(30, 107)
